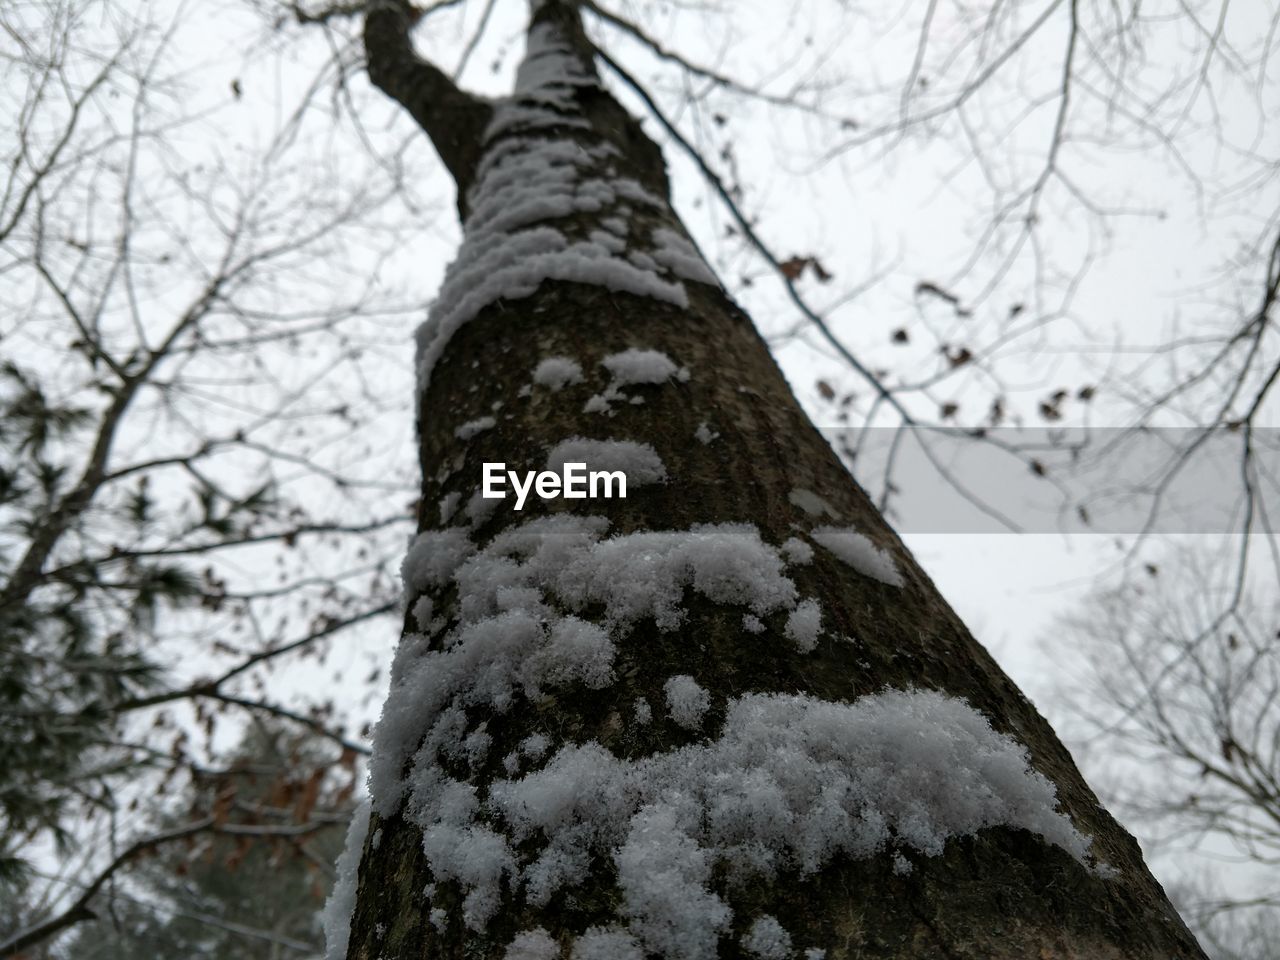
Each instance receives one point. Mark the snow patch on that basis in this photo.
(859, 552)
(336, 916)
(556, 373)
(687, 702)
(606, 943)
(423, 608)
(797, 551)
(812, 504)
(480, 508)
(639, 461)
(681, 257)
(630, 367)
(643, 712)
(535, 745)
(547, 204)
(433, 556)
(804, 624)
(635, 365)
(664, 875)
(448, 507)
(473, 427)
(767, 939)
(508, 640)
(790, 784)
(535, 944)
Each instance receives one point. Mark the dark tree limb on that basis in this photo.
(453, 119)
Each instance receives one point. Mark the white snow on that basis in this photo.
(534, 745)
(616, 225)
(643, 575)
(639, 461)
(433, 556)
(677, 253)
(336, 917)
(507, 641)
(859, 552)
(811, 503)
(686, 701)
(475, 746)
(473, 427)
(576, 651)
(663, 873)
(790, 783)
(643, 712)
(598, 403)
(610, 241)
(804, 624)
(480, 508)
(631, 367)
(606, 943)
(637, 365)
(767, 939)
(556, 373)
(787, 783)
(449, 506)
(423, 608)
(797, 551)
(704, 434)
(752, 624)
(535, 944)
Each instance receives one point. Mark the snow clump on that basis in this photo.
(804, 624)
(556, 373)
(859, 552)
(797, 551)
(767, 939)
(473, 427)
(336, 916)
(686, 701)
(630, 367)
(791, 783)
(639, 461)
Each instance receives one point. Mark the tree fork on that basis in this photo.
(1001, 892)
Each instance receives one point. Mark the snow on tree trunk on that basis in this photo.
(727, 715)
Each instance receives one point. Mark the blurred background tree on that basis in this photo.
(1175, 710)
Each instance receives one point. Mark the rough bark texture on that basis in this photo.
(1002, 894)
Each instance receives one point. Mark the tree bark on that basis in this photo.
(1001, 892)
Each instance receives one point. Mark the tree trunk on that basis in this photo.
(821, 774)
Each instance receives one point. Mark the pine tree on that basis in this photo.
(726, 715)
